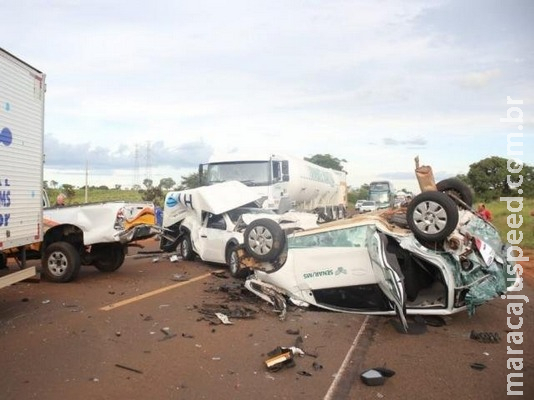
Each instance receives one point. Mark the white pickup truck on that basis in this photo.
(91, 234)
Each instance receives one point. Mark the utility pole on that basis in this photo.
(86, 180)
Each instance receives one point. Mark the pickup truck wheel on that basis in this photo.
(232, 259)
(432, 216)
(60, 262)
(264, 239)
(109, 256)
(186, 248)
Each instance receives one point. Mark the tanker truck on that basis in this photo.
(283, 182)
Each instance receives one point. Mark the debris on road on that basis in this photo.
(224, 318)
(485, 337)
(167, 332)
(316, 366)
(376, 376)
(179, 278)
(129, 368)
(279, 358)
(282, 357)
(478, 366)
(372, 377)
(221, 275)
(210, 311)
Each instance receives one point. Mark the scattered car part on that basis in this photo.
(372, 377)
(279, 358)
(485, 337)
(478, 366)
(224, 318)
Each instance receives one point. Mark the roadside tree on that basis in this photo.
(491, 179)
(327, 161)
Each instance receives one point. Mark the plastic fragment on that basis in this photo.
(478, 366)
(372, 377)
(224, 319)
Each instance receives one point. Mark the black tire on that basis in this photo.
(264, 239)
(232, 260)
(109, 256)
(3, 261)
(60, 262)
(432, 216)
(456, 188)
(186, 248)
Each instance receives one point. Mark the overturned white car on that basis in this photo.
(210, 222)
(434, 257)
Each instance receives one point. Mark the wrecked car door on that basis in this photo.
(212, 238)
(387, 271)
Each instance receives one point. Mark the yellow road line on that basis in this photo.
(157, 291)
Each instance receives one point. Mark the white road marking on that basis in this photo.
(157, 291)
(333, 387)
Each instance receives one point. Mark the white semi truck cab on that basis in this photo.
(283, 182)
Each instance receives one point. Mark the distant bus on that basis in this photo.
(383, 193)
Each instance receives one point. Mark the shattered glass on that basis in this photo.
(486, 282)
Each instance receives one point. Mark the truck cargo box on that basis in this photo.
(22, 92)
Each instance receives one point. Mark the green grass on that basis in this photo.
(97, 196)
(501, 213)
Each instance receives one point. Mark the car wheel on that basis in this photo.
(264, 239)
(186, 248)
(109, 256)
(3, 261)
(456, 189)
(60, 262)
(232, 259)
(432, 216)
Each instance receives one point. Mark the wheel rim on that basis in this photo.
(57, 263)
(233, 262)
(185, 249)
(430, 217)
(260, 240)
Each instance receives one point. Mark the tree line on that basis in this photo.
(489, 178)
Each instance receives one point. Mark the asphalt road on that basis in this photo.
(149, 331)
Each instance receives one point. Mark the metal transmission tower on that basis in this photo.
(136, 166)
(148, 171)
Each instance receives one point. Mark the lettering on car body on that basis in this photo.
(318, 274)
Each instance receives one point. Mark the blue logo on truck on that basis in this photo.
(5, 136)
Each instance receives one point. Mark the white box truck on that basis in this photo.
(22, 95)
(283, 181)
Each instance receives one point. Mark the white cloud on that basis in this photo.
(477, 80)
(348, 78)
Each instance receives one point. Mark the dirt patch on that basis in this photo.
(528, 266)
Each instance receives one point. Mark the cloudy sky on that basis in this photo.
(140, 89)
